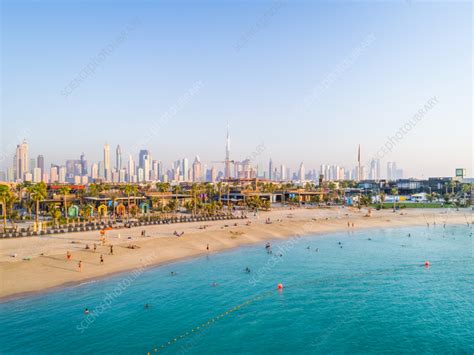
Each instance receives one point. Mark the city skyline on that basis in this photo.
(25, 168)
(170, 83)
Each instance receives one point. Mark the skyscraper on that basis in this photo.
(83, 163)
(94, 171)
(141, 157)
(227, 155)
(359, 173)
(270, 169)
(301, 174)
(131, 169)
(197, 172)
(282, 172)
(107, 172)
(21, 162)
(40, 163)
(146, 167)
(118, 158)
(54, 172)
(185, 169)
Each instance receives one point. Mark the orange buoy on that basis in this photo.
(427, 263)
(280, 286)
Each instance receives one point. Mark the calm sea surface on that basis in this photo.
(359, 292)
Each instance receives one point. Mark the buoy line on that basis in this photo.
(264, 294)
(211, 321)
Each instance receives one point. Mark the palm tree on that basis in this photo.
(394, 192)
(10, 206)
(382, 199)
(5, 195)
(453, 185)
(55, 214)
(130, 190)
(38, 193)
(64, 191)
(219, 189)
(176, 190)
(162, 186)
(194, 192)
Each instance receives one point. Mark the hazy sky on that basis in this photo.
(306, 80)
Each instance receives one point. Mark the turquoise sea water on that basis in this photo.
(369, 296)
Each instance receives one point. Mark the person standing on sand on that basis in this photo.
(79, 265)
(111, 250)
(207, 248)
(95, 247)
(101, 259)
(68, 255)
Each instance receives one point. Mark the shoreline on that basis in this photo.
(37, 277)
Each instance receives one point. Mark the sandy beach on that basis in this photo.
(40, 263)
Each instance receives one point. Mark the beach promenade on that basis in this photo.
(33, 264)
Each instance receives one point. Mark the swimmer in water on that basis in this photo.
(146, 306)
(86, 311)
(247, 270)
(173, 273)
(317, 249)
(214, 284)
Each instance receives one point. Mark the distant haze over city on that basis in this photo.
(295, 82)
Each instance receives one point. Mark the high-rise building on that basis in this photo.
(62, 174)
(227, 155)
(11, 174)
(301, 174)
(213, 174)
(40, 163)
(141, 157)
(146, 167)
(83, 163)
(282, 172)
(118, 158)
(374, 172)
(270, 169)
(21, 162)
(131, 169)
(154, 170)
(37, 175)
(185, 169)
(101, 170)
(107, 172)
(54, 173)
(197, 172)
(94, 171)
(141, 175)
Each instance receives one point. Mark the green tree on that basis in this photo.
(5, 195)
(394, 192)
(64, 191)
(38, 193)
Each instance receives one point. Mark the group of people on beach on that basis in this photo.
(87, 247)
